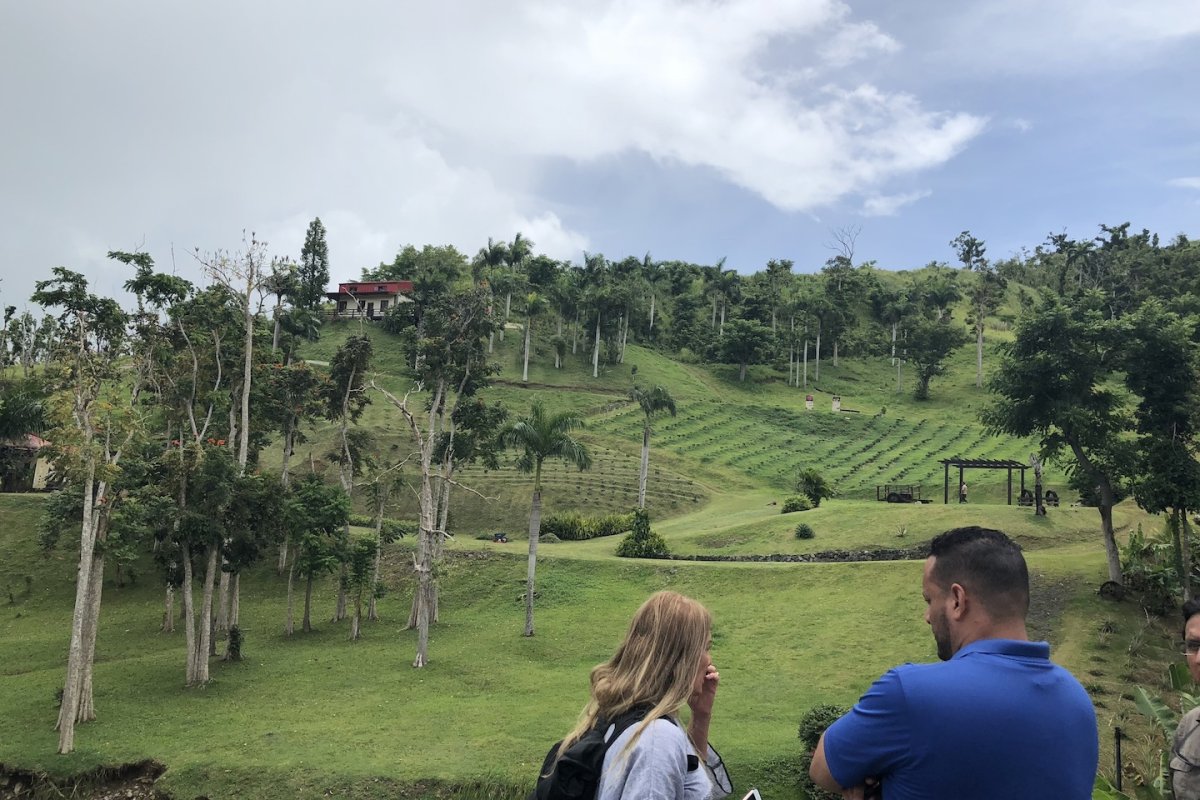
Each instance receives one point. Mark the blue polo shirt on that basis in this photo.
(998, 720)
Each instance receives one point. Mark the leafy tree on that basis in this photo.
(540, 436)
(358, 580)
(813, 485)
(317, 516)
(1160, 369)
(652, 401)
(1055, 381)
(312, 275)
(451, 365)
(930, 342)
(744, 343)
(94, 420)
(641, 542)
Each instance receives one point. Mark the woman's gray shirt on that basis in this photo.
(655, 768)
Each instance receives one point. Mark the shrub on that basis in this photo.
(804, 531)
(813, 485)
(812, 725)
(796, 502)
(392, 529)
(641, 541)
(576, 527)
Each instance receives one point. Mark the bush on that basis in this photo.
(641, 541)
(576, 527)
(812, 725)
(392, 529)
(804, 531)
(796, 502)
(813, 485)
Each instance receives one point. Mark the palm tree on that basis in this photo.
(541, 436)
(534, 306)
(652, 401)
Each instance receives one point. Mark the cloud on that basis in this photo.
(1020, 124)
(887, 205)
(683, 83)
(1185, 183)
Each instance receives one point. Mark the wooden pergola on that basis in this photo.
(982, 463)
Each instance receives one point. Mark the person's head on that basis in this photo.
(975, 580)
(1191, 636)
(659, 664)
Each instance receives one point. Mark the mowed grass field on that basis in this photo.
(317, 716)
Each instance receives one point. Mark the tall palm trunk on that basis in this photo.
(645, 471)
(979, 355)
(535, 527)
(596, 350)
(650, 330)
(525, 366)
(817, 374)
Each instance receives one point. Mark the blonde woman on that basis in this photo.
(662, 665)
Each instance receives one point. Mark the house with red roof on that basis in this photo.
(370, 299)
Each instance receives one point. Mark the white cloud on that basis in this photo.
(887, 205)
(855, 42)
(1020, 124)
(1185, 183)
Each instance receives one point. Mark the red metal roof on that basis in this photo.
(360, 288)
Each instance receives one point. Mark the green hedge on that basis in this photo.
(576, 527)
(392, 530)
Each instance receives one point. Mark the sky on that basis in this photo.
(688, 129)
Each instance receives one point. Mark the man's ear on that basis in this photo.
(958, 600)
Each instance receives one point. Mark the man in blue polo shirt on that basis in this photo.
(995, 719)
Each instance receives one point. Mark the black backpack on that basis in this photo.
(577, 774)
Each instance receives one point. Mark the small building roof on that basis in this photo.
(985, 463)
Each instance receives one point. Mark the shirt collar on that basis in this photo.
(1006, 647)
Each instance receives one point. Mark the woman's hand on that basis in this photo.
(701, 701)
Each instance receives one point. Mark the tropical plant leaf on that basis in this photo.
(1156, 709)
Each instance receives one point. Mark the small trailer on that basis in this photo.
(898, 493)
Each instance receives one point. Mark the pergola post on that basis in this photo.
(961, 481)
(1010, 486)
(946, 484)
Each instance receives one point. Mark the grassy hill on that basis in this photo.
(316, 716)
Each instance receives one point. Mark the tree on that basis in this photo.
(345, 399)
(312, 276)
(641, 542)
(1055, 381)
(95, 418)
(744, 343)
(1160, 369)
(930, 343)
(450, 365)
(652, 401)
(540, 436)
(813, 485)
(358, 580)
(534, 306)
(317, 515)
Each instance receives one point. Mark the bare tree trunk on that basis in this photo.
(339, 612)
(806, 363)
(83, 581)
(575, 333)
(652, 299)
(372, 611)
(557, 344)
(645, 470)
(235, 599)
(712, 324)
(87, 708)
(285, 480)
(596, 351)
(204, 650)
(355, 619)
(894, 344)
(835, 352)
(525, 367)
(507, 309)
(289, 626)
(721, 330)
(223, 603)
(817, 374)
(189, 617)
(168, 623)
(535, 526)
(306, 624)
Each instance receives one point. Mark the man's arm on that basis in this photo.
(819, 771)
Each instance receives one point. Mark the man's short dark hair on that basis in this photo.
(986, 563)
(1190, 609)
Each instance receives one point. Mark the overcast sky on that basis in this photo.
(745, 129)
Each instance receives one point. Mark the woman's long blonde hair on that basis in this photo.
(655, 666)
